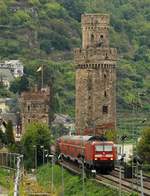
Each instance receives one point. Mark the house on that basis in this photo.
(10, 70)
(6, 77)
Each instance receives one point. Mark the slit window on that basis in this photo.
(92, 38)
(28, 108)
(105, 94)
(105, 109)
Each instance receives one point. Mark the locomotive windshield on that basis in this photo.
(100, 148)
(108, 148)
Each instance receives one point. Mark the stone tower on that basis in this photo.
(35, 107)
(95, 77)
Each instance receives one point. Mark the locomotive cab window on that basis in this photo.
(108, 148)
(99, 148)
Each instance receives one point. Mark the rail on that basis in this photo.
(112, 180)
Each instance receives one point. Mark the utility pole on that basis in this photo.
(62, 173)
(42, 147)
(42, 77)
(120, 170)
(83, 177)
(83, 171)
(62, 179)
(35, 156)
(52, 174)
(18, 175)
(141, 180)
(46, 155)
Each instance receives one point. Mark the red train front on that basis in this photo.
(95, 152)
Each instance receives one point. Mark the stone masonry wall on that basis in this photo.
(95, 76)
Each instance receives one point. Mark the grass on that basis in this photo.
(6, 179)
(72, 183)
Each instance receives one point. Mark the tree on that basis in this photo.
(2, 138)
(4, 92)
(19, 85)
(9, 133)
(143, 146)
(35, 136)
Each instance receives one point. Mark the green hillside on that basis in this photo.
(46, 31)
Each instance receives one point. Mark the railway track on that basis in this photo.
(128, 185)
(112, 180)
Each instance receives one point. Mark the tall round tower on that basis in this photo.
(95, 76)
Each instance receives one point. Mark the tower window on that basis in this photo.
(105, 94)
(100, 44)
(28, 108)
(106, 56)
(105, 109)
(92, 38)
(105, 76)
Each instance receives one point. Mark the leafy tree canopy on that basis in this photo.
(144, 145)
(9, 133)
(36, 135)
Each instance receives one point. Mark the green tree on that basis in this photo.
(2, 138)
(9, 133)
(35, 136)
(19, 85)
(143, 146)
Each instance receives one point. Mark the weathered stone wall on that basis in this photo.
(34, 107)
(95, 30)
(95, 76)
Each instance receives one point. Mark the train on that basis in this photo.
(94, 151)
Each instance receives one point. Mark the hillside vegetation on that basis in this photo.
(46, 31)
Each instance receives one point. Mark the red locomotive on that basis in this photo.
(94, 150)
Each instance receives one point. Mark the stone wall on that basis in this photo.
(34, 107)
(95, 76)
